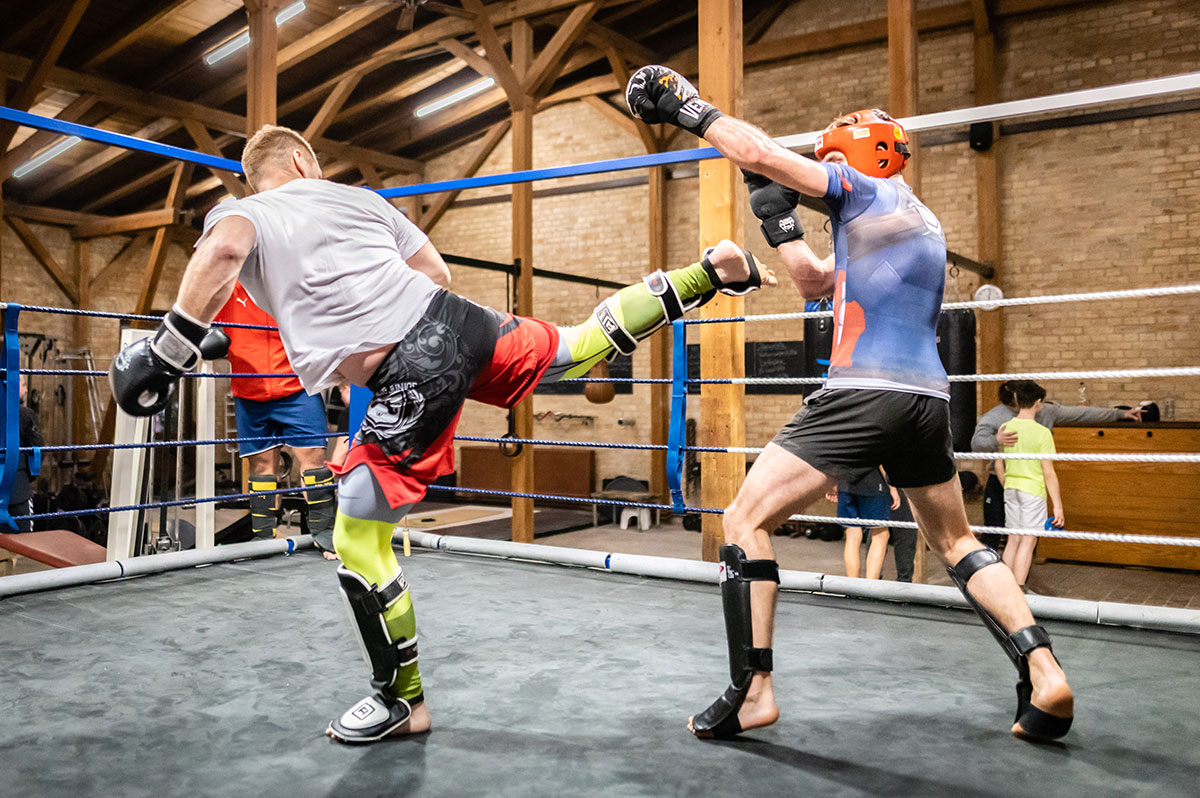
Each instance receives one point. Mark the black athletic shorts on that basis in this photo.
(842, 431)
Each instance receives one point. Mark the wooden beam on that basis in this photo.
(41, 253)
(660, 342)
(542, 70)
(489, 143)
(988, 218)
(158, 250)
(903, 77)
(618, 117)
(722, 346)
(332, 105)
(41, 139)
(43, 63)
(493, 50)
(761, 23)
(648, 134)
(133, 27)
(205, 143)
(81, 427)
(125, 253)
(606, 39)
(130, 223)
(522, 252)
(53, 216)
(469, 56)
(261, 69)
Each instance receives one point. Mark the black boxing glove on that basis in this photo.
(143, 374)
(656, 94)
(775, 206)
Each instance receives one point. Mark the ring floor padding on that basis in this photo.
(554, 681)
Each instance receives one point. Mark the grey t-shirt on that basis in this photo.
(329, 265)
(984, 437)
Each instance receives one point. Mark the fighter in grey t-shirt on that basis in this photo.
(359, 294)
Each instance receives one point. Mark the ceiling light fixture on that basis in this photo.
(46, 155)
(242, 39)
(453, 97)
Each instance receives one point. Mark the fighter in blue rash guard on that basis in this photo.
(885, 403)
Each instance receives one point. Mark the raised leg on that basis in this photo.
(635, 312)
(1045, 704)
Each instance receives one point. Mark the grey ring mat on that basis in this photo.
(553, 681)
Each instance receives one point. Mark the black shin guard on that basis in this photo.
(378, 715)
(720, 719)
(321, 499)
(1017, 645)
(262, 506)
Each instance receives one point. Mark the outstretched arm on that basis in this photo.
(751, 148)
(214, 268)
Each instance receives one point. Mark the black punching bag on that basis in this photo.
(818, 345)
(956, 347)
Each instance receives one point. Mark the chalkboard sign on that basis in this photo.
(620, 366)
(763, 359)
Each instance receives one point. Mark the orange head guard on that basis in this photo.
(873, 142)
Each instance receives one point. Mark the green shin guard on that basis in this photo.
(322, 505)
(262, 506)
(634, 313)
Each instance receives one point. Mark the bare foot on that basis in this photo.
(731, 265)
(757, 711)
(329, 555)
(1051, 693)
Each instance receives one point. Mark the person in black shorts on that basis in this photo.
(885, 402)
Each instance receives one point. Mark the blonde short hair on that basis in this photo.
(271, 149)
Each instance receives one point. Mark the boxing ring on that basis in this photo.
(564, 671)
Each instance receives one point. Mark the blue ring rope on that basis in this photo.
(104, 314)
(118, 139)
(574, 170)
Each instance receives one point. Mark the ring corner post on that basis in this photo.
(206, 458)
(11, 408)
(722, 346)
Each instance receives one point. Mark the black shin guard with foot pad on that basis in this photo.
(721, 718)
(379, 715)
(321, 500)
(1017, 646)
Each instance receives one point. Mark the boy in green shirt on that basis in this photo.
(1027, 482)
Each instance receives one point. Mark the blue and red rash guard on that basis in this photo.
(890, 273)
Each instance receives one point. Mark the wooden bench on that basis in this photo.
(57, 548)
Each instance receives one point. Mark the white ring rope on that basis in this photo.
(1109, 374)
(1049, 299)
(1066, 457)
(1034, 105)
(1113, 537)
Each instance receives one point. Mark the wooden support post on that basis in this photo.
(162, 237)
(82, 431)
(987, 206)
(902, 69)
(722, 346)
(522, 250)
(660, 342)
(261, 67)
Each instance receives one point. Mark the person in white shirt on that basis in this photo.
(360, 296)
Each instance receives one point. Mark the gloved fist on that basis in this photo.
(775, 206)
(656, 94)
(143, 374)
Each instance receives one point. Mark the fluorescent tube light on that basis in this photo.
(452, 98)
(242, 39)
(46, 155)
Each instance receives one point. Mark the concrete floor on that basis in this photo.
(553, 681)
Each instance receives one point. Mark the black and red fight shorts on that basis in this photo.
(845, 431)
(457, 351)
